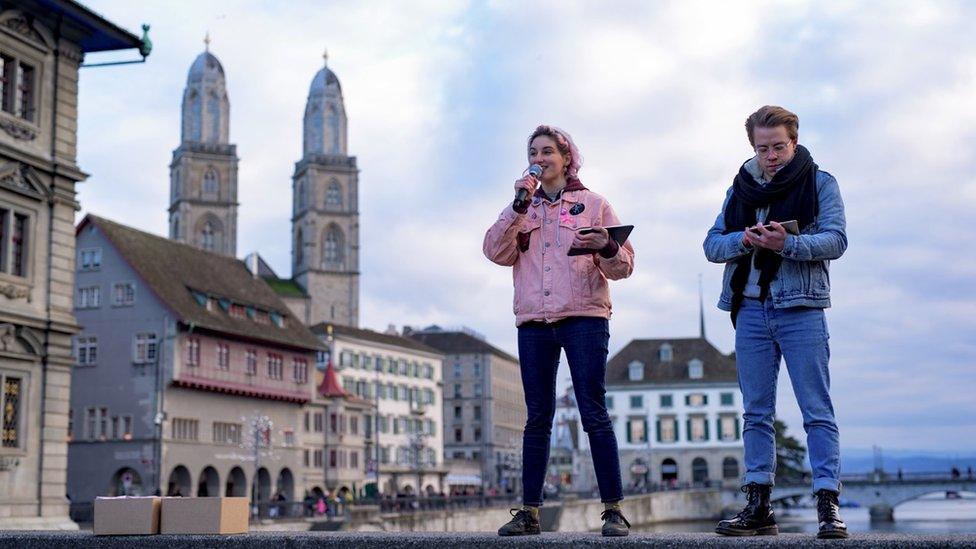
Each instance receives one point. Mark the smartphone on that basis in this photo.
(790, 226)
(587, 230)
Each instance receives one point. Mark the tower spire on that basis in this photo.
(701, 309)
(325, 57)
(206, 42)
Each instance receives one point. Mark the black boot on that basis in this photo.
(756, 519)
(523, 523)
(828, 513)
(614, 523)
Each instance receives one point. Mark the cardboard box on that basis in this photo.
(127, 516)
(204, 516)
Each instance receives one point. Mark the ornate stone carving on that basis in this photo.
(14, 292)
(25, 26)
(17, 130)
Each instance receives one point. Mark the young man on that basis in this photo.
(776, 287)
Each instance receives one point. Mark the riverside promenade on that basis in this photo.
(467, 540)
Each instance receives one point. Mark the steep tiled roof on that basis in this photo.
(716, 367)
(456, 343)
(377, 337)
(174, 271)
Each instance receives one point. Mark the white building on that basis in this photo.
(402, 377)
(676, 410)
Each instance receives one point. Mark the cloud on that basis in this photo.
(441, 97)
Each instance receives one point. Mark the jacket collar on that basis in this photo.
(568, 193)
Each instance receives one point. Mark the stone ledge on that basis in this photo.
(468, 540)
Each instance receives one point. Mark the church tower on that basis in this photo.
(325, 223)
(203, 173)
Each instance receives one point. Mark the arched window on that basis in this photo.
(666, 353)
(213, 110)
(299, 252)
(730, 468)
(669, 470)
(210, 182)
(699, 470)
(696, 370)
(333, 122)
(332, 247)
(207, 236)
(196, 116)
(333, 196)
(636, 371)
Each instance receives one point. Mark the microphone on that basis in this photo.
(535, 171)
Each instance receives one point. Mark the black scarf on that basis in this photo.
(792, 194)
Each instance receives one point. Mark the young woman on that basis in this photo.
(562, 302)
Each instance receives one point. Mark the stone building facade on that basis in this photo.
(41, 48)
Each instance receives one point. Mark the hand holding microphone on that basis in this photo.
(527, 184)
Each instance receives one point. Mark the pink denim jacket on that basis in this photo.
(550, 285)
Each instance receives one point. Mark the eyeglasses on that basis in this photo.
(777, 148)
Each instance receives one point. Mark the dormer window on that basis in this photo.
(636, 371)
(696, 369)
(666, 352)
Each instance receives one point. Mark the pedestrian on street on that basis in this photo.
(776, 287)
(562, 303)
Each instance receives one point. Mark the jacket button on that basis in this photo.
(549, 222)
(547, 268)
(546, 292)
(547, 244)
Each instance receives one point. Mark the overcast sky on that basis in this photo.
(442, 95)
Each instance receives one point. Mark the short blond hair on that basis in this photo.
(772, 116)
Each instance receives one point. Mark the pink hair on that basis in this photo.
(565, 145)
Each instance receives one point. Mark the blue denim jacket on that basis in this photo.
(803, 279)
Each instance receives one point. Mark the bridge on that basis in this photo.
(881, 492)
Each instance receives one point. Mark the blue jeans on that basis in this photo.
(763, 337)
(585, 340)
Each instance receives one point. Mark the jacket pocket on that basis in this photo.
(524, 238)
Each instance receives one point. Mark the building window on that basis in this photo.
(666, 352)
(458, 434)
(457, 412)
(103, 423)
(251, 362)
(238, 311)
(477, 434)
(207, 236)
(730, 468)
(288, 436)
(636, 401)
(637, 430)
(192, 351)
(306, 461)
(144, 350)
(11, 403)
(299, 370)
(90, 419)
(457, 390)
(457, 371)
(696, 369)
(697, 429)
(696, 399)
(17, 85)
(275, 366)
(667, 429)
(354, 460)
(333, 459)
(477, 412)
(317, 460)
(123, 294)
(333, 195)
(185, 429)
(89, 259)
(477, 389)
(667, 401)
(728, 427)
(86, 350)
(332, 246)
(126, 427)
(223, 356)
(318, 422)
(608, 400)
(89, 297)
(636, 371)
(727, 399)
(227, 433)
(354, 425)
(211, 182)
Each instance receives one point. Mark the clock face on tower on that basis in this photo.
(326, 357)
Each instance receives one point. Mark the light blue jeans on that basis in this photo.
(765, 335)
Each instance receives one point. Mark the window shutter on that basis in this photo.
(718, 429)
(738, 435)
(646, 437)
(705, 421)
(674, 424)
(705, 399)
(628, 430)
(687, 400)
(658, 429)
(688, 425)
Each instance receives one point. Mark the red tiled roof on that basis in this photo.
(231, 388)
(330, 383)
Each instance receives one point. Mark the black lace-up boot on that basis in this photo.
(614, 523)
(828, 513)
(523, 523)
(756, 519)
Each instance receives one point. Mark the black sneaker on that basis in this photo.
(828, 513)
(756, 519)
(523, 523)
(614, 523)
